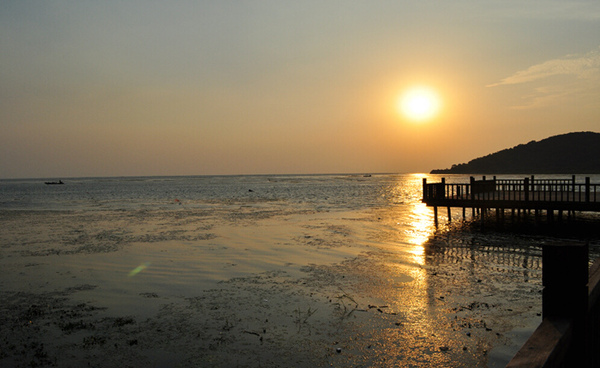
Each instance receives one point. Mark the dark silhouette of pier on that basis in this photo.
(569, 334)
(517, 195)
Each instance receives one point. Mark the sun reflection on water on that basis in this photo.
(418, 324)
(422, 228)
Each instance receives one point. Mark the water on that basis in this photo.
(326, 191)
(308, 263)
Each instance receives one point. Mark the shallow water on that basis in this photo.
(282, 270)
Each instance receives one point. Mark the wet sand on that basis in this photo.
(259, 287)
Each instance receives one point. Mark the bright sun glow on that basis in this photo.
(419, 104)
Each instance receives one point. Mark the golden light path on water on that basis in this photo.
(422, 334)
(423, 229)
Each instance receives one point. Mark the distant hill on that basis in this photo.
(571, 153)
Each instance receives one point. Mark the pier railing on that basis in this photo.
(569, 334)
(527, 189)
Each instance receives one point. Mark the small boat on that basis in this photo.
(54, 182)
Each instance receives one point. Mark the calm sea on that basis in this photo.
(328, 192)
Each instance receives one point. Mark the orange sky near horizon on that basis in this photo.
(209, 88)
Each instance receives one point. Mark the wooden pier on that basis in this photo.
(569, 334)
(517, 195)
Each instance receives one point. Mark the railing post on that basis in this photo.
(587, 189)
(472, 194)
(593, 321)
(565, 277)
(526, 188)
(565, 294)
(443, 186)
(424, 188)
(494, 184)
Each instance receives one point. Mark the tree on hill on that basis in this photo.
(571, 153)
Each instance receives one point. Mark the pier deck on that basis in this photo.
(520, 194)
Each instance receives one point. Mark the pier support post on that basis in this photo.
(482, 217)
(435, 215)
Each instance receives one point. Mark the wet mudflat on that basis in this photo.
(261, 287)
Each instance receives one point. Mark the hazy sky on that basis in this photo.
(111, 88)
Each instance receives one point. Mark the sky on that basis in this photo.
(135, 88)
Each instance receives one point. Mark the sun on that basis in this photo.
(419, 104)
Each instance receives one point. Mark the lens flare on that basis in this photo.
(139, 269)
